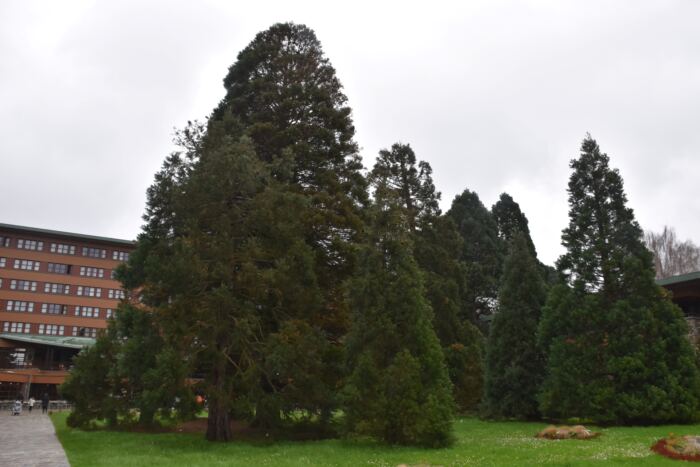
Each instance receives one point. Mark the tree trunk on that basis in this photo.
(146, 417)
(218, 422)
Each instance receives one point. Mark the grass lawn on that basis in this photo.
(478, 443)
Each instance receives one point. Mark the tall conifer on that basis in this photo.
(482, 254)
(437, 247)
(514, 363)
(283, 93)
(510, 220)
(617, 347)
(399, 390)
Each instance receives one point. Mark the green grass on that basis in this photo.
(478, 443)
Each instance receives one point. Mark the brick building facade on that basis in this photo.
(57, 292)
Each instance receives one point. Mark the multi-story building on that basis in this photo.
(57, 291)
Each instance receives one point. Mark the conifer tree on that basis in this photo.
(482, 255)
(399, 389)
(128, 368)
(251, 233)
(437, 247)
(511, 220)
(411, 181)
(284, 94)
(514, 363)
(617, 347)
(89, 385)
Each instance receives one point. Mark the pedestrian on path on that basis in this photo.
(45, 403)
(31, 403)
(17, 407)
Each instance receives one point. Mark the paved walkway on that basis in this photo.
(29, 440)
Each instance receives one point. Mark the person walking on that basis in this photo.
(45, 403)
(17, 406)
(31, 403)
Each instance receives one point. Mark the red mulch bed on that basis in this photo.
(661, 447)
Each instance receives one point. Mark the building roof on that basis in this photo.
(55, 341)
(691, 276)
(69, 235)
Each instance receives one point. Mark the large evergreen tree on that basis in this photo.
(617, 347)
(128, 368)
(250, 236)
(283, 92)
(514, 362)
(482, 254)
(437, 247)
(510, 220)
(399, 390)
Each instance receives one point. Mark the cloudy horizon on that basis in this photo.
(496, 96)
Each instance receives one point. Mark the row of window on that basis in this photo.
(84, 332)
(23, 328)
(64, 249)
(57, 309)
(22, 285)
(56, 268)
(51, 329)
(48, 329)
(27, 265)
(17, 305)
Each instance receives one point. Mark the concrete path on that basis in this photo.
(29, 440)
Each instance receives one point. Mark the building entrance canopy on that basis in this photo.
(66, 342)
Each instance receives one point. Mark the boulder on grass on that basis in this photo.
(567, 432)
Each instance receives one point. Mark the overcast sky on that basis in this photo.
(497, 96)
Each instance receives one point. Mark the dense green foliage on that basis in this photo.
(399, 389)
(267, 279)
(510, 221)
(482, 254)
(128, 368)
(285, 95)
(479, 443)
(617, 347)
(437, 247)
(250, 236)
(514, 362)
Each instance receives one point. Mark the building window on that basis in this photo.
(62, 249)
(27, 265)
(87, 311)
(62, 289)
(24, 244)
(54, 309)
(109, 313)
(84, 332)
(2, 262)
(17, 305)
(57, 268)
(94, 252)
(92, 272)
(24, 286)
(51, 329)
(23, 328)
(120, 256)
(89, 291)
(4, 241)
(116, 294)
